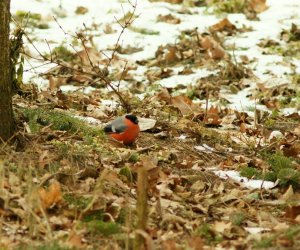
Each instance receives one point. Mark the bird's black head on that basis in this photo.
(132, 118)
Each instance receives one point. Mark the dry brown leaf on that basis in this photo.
(113, 178)
(291, 212)
(171, 55)
(171, 218)
(288, 195)
(164, 95)
(153, 173)
(81, 78)
(198, 186)
(44, 159)
(51, 197)
(224, 24)
(195, 243)
(292, 149)
(89, 56)
(199, 208)
(213, 48)
(168, 19)
(243, 127)
(55, 82)
(221, 226)
(212, 117)
(169, 245)
(258, 5)
(108, 29)
(184, 104)
(75, 240)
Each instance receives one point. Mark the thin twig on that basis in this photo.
(98, 74)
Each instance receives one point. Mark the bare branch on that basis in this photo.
(97, 74)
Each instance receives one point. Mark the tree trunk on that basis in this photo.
(6, 113)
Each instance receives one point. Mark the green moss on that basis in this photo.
(281, 169)
(134, 157)
(192, 93)
(237, 218)
(46, 246)
(270, 176)
(279, 162)
(288, 176)
(251, 108)
(264, 243)
(207, 233)
(296, 80)
(62, 53)
(103, 228)
(292, 232)
(43, 26)
(129, 16)
(269, 123)
(250, 172)
(54, 166)
(95, 215)
(122, 215)
(253, 196)
(144, 31)
(20, 15)
(31, 19)
(284, 101)
(78, 151)
(228, 6)
(291, 49)
(39, 118)
(77, 202)
(127, 173)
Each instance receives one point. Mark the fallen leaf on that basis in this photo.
(168, 19)
(195, 243)
(184, 104)
(258, 5)
(243, 127)
(213, 48)
(224, 24)
(291, 212)
(288, 195)
(221, 226)
(89, 57)
(171, 55)
(51, 197)
(212, 117)
(75, 240)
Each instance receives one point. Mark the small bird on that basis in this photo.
(125, 129)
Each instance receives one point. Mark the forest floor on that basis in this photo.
(215, 85)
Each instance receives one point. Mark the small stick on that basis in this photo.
(141, 206)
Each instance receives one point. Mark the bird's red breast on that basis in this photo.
(124, 129)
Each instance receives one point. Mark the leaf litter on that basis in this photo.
(64, 184)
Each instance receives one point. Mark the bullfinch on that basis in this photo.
(125, 129)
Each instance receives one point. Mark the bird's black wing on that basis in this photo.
(116, 126)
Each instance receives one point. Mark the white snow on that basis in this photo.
(205, 148)
(279, 15)
(248, 183)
